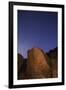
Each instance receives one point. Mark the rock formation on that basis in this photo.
(21, 67)
(53, 58)
(37, 66)
(20, 61)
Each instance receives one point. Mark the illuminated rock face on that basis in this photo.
(37, 66)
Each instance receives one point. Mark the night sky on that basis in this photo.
(36, 29)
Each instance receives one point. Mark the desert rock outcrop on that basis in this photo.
(53, 58)
(21, 67)
(37, 66)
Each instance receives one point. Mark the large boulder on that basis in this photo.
(19, 61)
(53, 59)
(54, 68)
(20, 66)
(37, 66)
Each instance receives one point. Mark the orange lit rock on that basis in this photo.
(37, 66)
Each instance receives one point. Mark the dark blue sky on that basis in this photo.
(36, 29)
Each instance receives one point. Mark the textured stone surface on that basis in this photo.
(20, 61)
(53, 59)
(37, 66)
(20, 66)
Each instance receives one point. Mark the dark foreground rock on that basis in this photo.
(21, 66)
(53, 58)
